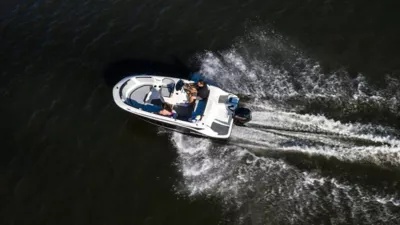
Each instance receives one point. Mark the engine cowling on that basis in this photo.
(242, 116)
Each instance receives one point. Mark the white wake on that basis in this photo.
(271, 190)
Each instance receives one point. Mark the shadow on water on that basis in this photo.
(115, 71)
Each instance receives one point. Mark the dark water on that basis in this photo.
(69, 155)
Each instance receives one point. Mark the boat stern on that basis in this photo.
(218, 115)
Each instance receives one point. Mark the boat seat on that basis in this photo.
(167, 88)
(166, 91)
(153, 96)
(199, 108)
(179, 85)
(146, 107)
(183, 112)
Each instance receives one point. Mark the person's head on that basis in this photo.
(166, 107)
(201, 83)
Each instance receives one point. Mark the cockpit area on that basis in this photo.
(150, 93)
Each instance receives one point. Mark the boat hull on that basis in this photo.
(213, 121)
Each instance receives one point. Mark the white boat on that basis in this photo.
(213, 117)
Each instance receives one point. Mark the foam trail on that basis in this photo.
(318, 135)
(282, 89)
(294, 81)
(271, 189)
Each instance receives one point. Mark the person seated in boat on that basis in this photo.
(192, 94)
(167, 110)
(198, 91)
(202, 89)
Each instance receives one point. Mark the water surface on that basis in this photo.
(323, 147)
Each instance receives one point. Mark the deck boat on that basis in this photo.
(213, 117)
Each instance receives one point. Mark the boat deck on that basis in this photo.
(147, 98)
(144, 95)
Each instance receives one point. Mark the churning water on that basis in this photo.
(297, 161)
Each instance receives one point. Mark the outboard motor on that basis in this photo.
(241, 116)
